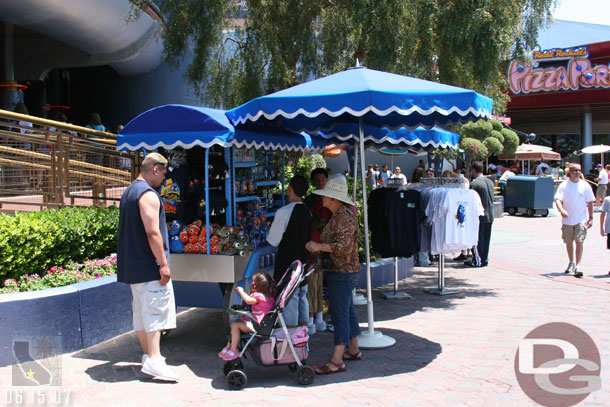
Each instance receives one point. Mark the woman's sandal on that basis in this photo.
(352, 356)
(330, 368)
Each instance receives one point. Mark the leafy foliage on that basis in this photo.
(269, 45)
(31, 242)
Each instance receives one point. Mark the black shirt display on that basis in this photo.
(394, 217)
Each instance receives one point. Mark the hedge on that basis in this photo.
(32, 242)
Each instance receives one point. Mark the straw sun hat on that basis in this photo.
(336, 187)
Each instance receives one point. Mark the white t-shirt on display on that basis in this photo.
(574, 196)
(455, 215)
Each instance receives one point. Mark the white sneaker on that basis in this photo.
(311, 329)
(159, 369)
(144, 357)
(320, 326)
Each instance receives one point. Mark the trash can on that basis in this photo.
(529, 194)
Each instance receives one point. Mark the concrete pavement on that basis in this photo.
(450, 351)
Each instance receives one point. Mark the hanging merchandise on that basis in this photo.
(394, 219)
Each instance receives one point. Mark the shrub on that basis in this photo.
(61, 276)
(31, 242)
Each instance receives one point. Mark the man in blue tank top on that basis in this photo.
(143, 263)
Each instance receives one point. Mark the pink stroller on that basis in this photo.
(272, 343)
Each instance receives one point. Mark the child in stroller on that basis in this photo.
(271, 347)
(261, 299)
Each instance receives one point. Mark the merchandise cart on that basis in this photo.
(236, 168)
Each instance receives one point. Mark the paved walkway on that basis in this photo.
(450, 351)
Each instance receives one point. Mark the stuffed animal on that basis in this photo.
(184, 235)
(174, 228)
(176, 245)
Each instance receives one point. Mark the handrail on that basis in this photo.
(7, 114)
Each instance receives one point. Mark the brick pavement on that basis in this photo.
(450, 351)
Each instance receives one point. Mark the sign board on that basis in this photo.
(577, 73)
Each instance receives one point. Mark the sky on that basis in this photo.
(583, 11)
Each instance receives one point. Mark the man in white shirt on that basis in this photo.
(399, 175)
(602, 187)
(289, 232)
(574, 199)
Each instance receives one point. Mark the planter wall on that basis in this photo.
(82, 315)
(382, 271)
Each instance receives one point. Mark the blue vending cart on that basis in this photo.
(529, 195)
(209, 280)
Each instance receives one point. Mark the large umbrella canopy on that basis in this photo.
(171, 126)
(348, 101)
(381, 99)
(532, 152)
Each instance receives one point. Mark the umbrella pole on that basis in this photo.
(356, 297)
(370, 338)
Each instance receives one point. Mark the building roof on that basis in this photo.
(567, 34)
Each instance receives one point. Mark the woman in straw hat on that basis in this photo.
(339, 238)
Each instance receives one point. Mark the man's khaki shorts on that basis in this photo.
(601, 191)
(571, 233)
(154, 306)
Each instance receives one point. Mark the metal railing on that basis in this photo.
(45, 163)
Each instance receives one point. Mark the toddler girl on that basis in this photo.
(261, 299)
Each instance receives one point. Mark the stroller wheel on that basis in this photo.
(237, 379)
(305, 375)
(292, 367)
(232, 365)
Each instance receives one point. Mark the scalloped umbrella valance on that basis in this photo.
(171, 126)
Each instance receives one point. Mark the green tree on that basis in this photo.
(268, 45)
(483, 139)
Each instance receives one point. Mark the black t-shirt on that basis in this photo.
(394, 218)
(402, 210)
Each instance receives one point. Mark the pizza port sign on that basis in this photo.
(577, 73)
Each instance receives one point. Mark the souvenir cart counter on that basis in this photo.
(218, 196)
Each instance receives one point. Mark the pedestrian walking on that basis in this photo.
(574, 199)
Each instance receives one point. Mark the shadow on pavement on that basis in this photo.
(424, 278)
(198, 338)
(409, 354)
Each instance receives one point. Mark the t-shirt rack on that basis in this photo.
(453, 213)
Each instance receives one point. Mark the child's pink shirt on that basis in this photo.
(263, 305)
